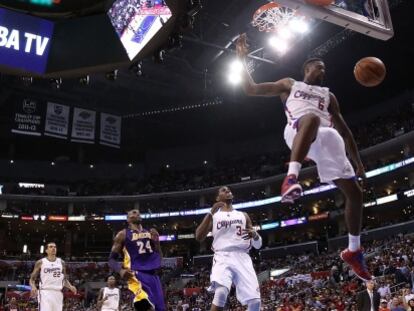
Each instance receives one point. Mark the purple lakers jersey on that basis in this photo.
(139, 251)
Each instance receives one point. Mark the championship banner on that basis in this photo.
(83, 127)
(27, 118)
(57, 120)
(110, 130)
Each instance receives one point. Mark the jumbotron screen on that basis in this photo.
(137, 21)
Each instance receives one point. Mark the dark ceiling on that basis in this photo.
(194, 74)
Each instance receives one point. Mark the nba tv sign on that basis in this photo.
(24, 41)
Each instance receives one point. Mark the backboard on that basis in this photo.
(370, 17)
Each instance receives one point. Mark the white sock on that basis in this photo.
(294, 168)
(354, 242)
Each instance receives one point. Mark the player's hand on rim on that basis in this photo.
(217, 206)
(242, 46)
(249, 233)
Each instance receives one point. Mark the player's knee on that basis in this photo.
(253, 305)
(220, 296)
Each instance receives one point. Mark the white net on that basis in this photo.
(269, 18)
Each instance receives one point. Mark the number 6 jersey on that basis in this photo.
(228, 231)
(139, 251)
(51, 274)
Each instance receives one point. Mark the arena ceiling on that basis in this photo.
(195, 74)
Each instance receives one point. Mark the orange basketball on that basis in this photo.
(319, 2)
(370, 71)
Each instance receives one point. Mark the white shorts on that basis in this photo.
(50, 300)
(328, 152)
(235, 268)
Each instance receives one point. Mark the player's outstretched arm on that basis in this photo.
(33, 277)
(279, 88)
(343, 129)
(207, 224)
(66, 282)
(115, 255)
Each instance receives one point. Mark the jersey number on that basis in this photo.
(56, 274)
(144, 248)
(321, 106)
(238, 232)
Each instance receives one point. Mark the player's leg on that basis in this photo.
(306, 131)
(151, 284)
(245, 280)
(220, 297)
(47, 300)
(221, 279)
(328, 151)
(353, 218)
(141, 301)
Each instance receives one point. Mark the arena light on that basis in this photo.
(285, 33)
(235, 69)
(25, 249)
(279, 44)
(42, 249)
(234, 78)
(299, 25)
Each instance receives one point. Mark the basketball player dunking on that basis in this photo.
(53, 278)
(317, 130)
(109, 296)
(142, 258)
(233, 236)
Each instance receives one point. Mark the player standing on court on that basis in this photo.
(142, 258)
(109, 296)
(233, 236)
(316, 129)
(53, 278)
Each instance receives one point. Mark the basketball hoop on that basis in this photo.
(271, 16)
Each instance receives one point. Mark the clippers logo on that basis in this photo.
(307, 96)
(227, 223)
(29, 106)
(51, 270)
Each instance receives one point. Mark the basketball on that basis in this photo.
(369, 71)
(319, 2)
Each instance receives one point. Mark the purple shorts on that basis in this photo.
(151, 284)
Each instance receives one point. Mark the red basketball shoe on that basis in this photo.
(291, 189)
(357, 262)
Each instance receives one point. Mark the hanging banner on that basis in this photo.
(83, 126)
(57, 120)
(27, 117)
(110, 130)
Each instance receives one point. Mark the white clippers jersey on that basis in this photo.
(112, 303)
(304, 99)
(228, 230)
(51, 274)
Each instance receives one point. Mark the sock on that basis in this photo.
(294, 168)
(354, 242)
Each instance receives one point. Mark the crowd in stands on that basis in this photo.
(312, 282)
